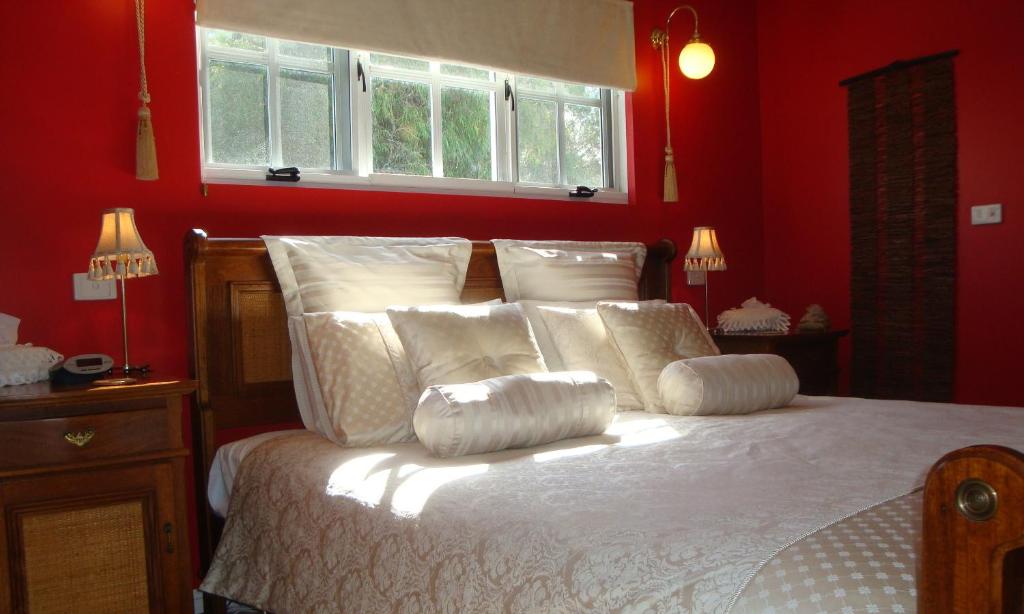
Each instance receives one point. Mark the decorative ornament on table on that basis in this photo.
(814, 321)
(753, 316)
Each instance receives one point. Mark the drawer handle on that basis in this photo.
(80, 438)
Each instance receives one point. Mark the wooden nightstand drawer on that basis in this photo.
(83, 438)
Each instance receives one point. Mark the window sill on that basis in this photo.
(408, 183)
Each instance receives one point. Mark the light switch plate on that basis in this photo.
(696, 278)
(90, 290)
(986, 214)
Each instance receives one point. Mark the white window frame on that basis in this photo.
(359, 175)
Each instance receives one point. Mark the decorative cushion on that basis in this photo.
(366, 383)
(364, 274)
(514, 411)
(569, 270)
(581, 341)
(457, 344)
(730, 384)
(649, 336)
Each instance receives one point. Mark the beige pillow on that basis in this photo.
(569, 270)
(730, 384)
(456, 344)
(581, 341)
(367, 385)
(649, 336)
(513, 411)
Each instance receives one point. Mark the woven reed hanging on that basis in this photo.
(145, 142)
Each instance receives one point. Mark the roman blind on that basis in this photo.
(583, 41)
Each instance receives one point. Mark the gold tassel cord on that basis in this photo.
(145, 141)
(671, 192)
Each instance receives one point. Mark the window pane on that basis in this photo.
(307, 123)
(585, 91)
(238, 113)
(302, 50)
(467, 71)
(536, 85)
(466, 132)
(583, 145)
(401, 127)
(538, 141)
(236, 40)
(394, 61)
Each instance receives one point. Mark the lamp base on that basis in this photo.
(126, 380)
(115, 381)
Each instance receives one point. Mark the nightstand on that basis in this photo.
(92, 498)
(814, 356)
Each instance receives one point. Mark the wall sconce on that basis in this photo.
(696, 61)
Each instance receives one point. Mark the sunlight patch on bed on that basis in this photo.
(542, 457)
(642, 432)
(412, 494)
(353, 479)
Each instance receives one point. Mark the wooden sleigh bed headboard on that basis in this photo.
(240, 352)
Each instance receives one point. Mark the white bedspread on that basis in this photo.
(662, 513)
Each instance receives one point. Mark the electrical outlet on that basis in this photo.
(696, 278)
(90, 290)
(986, 214)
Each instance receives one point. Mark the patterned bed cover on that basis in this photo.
(660, 514)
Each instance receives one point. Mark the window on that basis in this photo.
(360, 117)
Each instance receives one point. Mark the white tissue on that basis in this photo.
(8, 329)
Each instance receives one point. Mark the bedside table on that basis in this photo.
(92, 498)
(814, 356)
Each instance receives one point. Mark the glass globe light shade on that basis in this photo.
(696, 60)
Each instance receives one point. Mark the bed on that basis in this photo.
(660, 513)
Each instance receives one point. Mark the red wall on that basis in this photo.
(68, 151)
(804, 49)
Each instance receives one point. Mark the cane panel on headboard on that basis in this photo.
(240, 353)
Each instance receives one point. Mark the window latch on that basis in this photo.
(582, 191)
(360, 75)
(509, 95)
(290, 173)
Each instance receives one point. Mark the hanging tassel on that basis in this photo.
(671, 188)
(120, 268)
(145, 147)
(107, 271)
(145, 141)
(92, 269)
(133, 268)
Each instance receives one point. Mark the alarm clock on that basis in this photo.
(81, 369)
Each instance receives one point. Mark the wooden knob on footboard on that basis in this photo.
(972, 555)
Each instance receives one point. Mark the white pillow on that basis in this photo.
(730, 384)
(457, 344)
(447, 258)
(367, 274)
(514, 411)
(569, 270)
(581, 341)
(649, 336)
(366, 383)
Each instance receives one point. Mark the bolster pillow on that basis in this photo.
(729, 384)
(513, 411)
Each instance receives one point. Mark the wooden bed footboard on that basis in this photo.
(972, 557)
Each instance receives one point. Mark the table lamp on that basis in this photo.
(121, 254)
(704, 255)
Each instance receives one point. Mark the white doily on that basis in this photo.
(24, 364)
(754, 317)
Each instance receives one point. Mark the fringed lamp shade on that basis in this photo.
(704, 254)
(120, 252)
